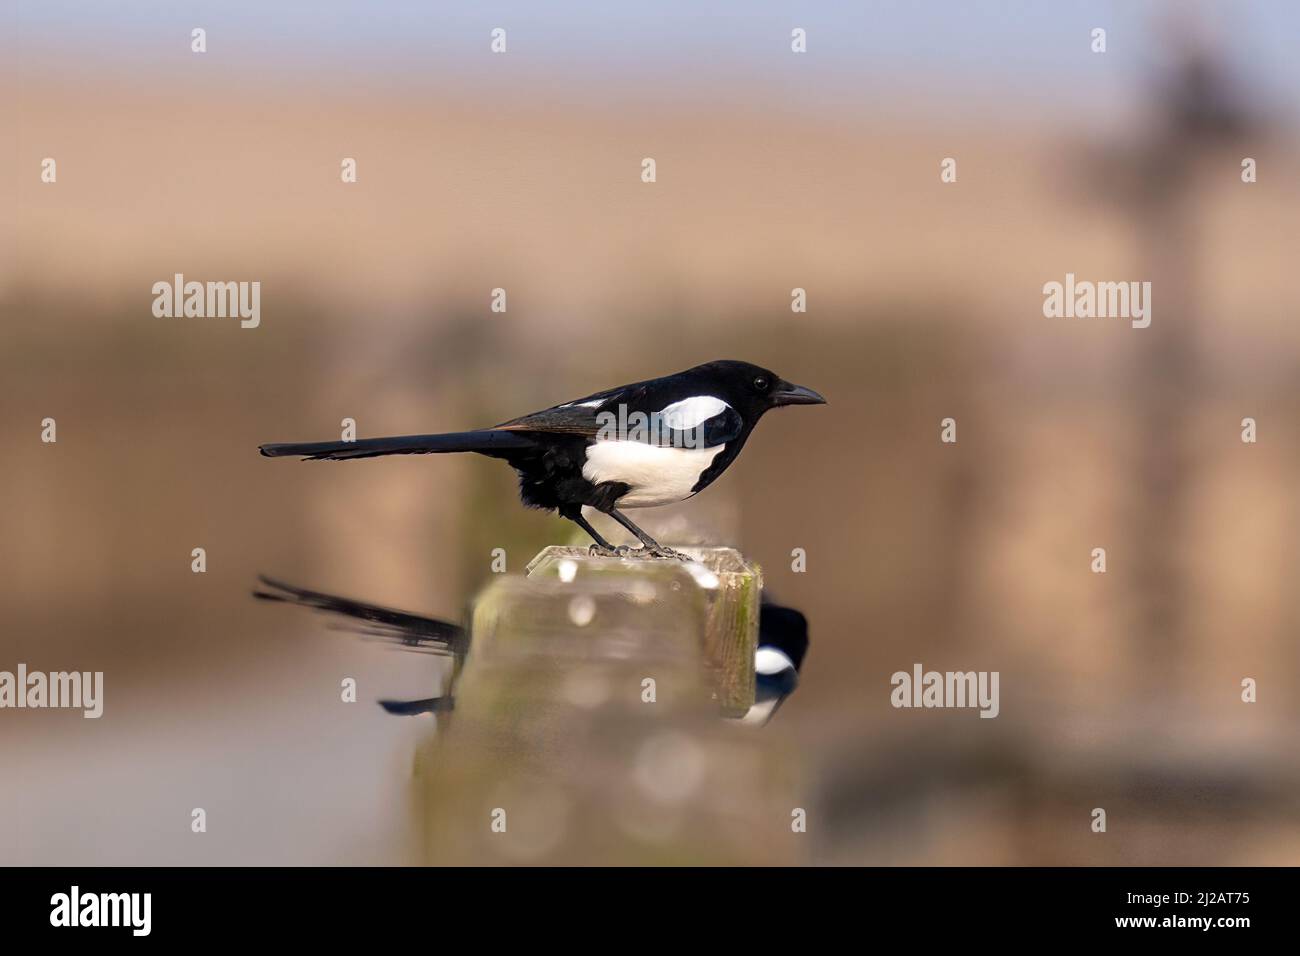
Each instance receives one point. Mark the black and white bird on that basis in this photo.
(636, 446)
(782, 644)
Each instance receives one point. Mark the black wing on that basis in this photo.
(720, 429)
(597, 415)
(413, 708)
(578, 417)
(562, 420)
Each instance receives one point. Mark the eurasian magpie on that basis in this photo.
(636, 446)
(782, 644)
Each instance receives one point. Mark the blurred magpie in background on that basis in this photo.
(782, 643)
(593, 451)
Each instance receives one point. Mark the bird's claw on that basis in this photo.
(659, 551)
(647, 551)
(622, 551)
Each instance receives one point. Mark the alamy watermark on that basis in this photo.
(77, 690)
(209, 300)
(1074, 299)
(922, 688)
(75, 908)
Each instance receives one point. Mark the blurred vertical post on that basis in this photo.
(586, 722)
(1197, 113)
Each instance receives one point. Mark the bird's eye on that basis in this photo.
(761, 383)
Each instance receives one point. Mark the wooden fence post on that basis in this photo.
(586, 726)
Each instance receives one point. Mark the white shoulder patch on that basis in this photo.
(690, 412)
(768, 660)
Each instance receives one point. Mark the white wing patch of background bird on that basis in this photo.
(768, 660)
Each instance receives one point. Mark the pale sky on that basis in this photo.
(1013, 51)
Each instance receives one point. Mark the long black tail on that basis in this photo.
(486, 442)
(413, 708)
(412, 632)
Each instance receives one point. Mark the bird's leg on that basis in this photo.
(649, 545)
(601, 547)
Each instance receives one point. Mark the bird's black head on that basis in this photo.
(753, 390)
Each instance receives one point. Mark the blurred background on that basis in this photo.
(775, 171)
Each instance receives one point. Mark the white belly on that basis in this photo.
(656, 475)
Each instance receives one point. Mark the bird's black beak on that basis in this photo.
(787, 394)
